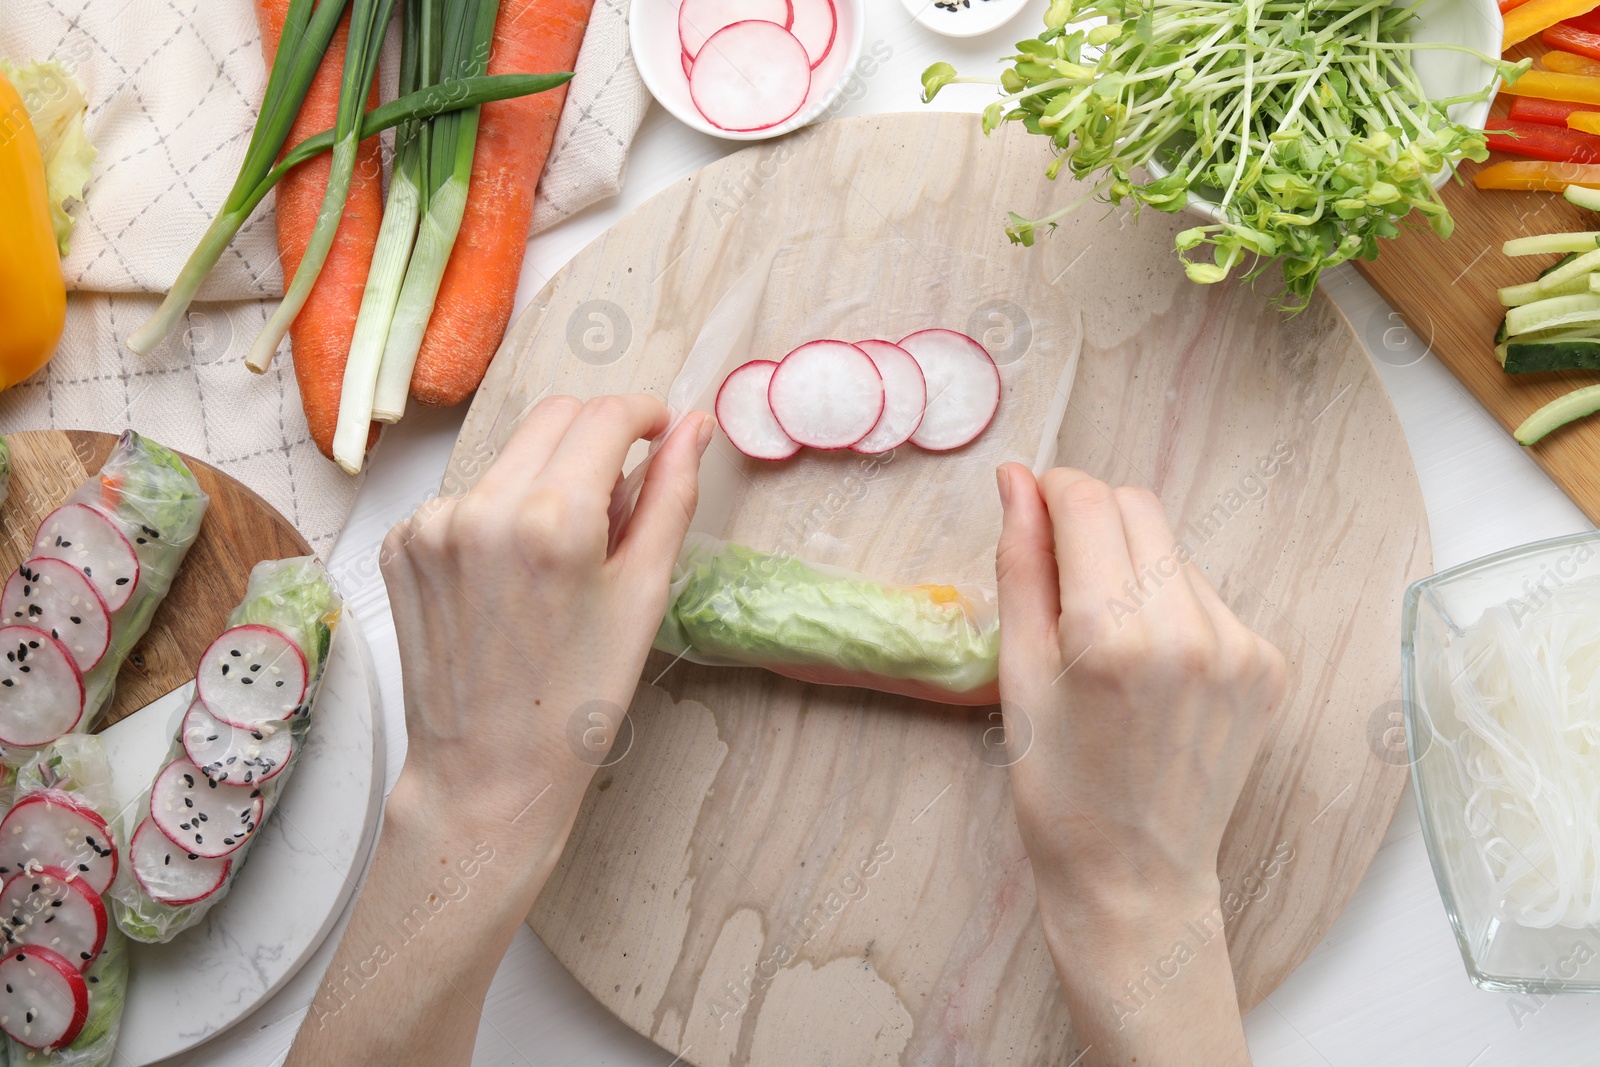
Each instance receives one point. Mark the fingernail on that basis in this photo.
(702, 441)
(1003, 480)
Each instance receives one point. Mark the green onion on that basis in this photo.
(368, 20)
(305, 38)
(447, 171)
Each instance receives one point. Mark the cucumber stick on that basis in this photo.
(1552, 312)
(1526, 293)
(1546, 243)
(1577, 404)
(1529, 357)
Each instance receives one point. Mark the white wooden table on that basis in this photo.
(1385, 987)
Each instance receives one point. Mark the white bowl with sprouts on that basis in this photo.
(1474, 24)
(1501, 673)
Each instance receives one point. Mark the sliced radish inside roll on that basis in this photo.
(751, 75)
(905, 397)
(699, 19)
(200, 816)
(54, 596)
(170, 874)
(54, 909)
(815, 25)
(87, 538)
(41, 688)
(963, 388)
(44, 1000)
(745, 417)
(826, 394)
(53, 830)
(236, 755)
(251, 674)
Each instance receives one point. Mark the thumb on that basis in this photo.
(666, 500)
(1025, 567)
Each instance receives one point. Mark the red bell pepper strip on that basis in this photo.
(1546, 112)
(1570, 38)
(1589, 22)
(1539, 141)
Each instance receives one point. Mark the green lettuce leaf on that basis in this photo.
(56, 106)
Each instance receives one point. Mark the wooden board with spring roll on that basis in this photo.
(278, 905)
(1446, 292)
(769, 872)
(239, 531)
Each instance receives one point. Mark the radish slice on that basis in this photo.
(84, 537)
(963, 388)
(59, 599)
(826, 394)
(744, 416)
(905, 397)
(44, 1001)
(237, 755)
(814, 25)
(750, 76)
(251, 674)
(41, 688)
(169, 873)
(53, 830)
(699, 19)
(52, 908)
(688, 64)
(197, 814)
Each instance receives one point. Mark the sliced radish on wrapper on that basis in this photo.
(44, 1000)
(235, 755)
(54, 596)
(745, 417)
(698, 20)
(53, 909)
(170, 874)
(826, 394)
(197, 814)
(41, 688)
(751, 75)
(86, 538)
(251, 674)
(905, 397)
(815, 25)
(963, 388)
(53, 830)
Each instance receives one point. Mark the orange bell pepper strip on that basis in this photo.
(1526, 174)
(1507, 5)
(1548, 85)
(1525, 20)
(1567, 63)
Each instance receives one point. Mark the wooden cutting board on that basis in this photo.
(240, 530)
(1446, 292)
(770, 873)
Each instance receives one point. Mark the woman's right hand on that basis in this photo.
(1146, 700)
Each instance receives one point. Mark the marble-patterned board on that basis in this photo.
(301, 872)
(768, 873)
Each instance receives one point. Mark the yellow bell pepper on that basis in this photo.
(1548, 85)
(1567, 63)
(1525, 20)
(33, 296)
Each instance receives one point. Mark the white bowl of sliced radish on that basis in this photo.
(936, 389)
(746, 70)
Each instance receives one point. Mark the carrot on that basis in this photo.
(473, 306)
(320, 336)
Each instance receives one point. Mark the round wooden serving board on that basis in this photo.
(770, 873)
(240, 530)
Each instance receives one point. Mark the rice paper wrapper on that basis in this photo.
(297, 598)
(152, 497)
(850, 569)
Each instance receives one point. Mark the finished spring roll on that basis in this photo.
(233, 754)
(100, 566)
(735, 606)
(63, 965)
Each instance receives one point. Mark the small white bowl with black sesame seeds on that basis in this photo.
(963, 18)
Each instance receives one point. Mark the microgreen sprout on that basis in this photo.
(1303, 119)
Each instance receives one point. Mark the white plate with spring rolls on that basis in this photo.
(306, 858)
